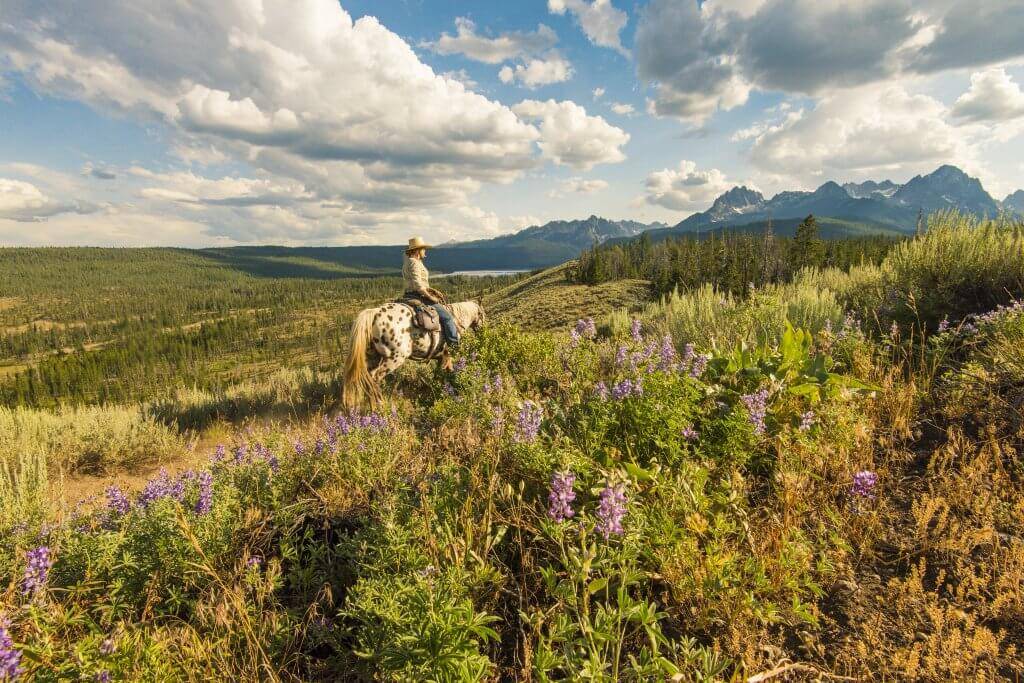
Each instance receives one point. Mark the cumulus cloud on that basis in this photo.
(599, 19)
(992, 97)
(537, 72)
(705, 57)
(337, 122)
(500, 48)
(23, 202)
(578, 185)
(623, 109)
(859, 133)
(462, 76)
(598, 93)
(684, 188)
(569, 136)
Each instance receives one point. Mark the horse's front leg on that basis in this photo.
(444, 362)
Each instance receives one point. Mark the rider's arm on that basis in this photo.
(420, 279)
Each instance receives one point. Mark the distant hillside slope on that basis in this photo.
(540, 246)
(548, 300)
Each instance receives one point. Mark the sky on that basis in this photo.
(313, 122)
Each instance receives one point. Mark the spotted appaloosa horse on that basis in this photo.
(383, 338)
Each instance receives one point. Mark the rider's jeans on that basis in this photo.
(451, 333)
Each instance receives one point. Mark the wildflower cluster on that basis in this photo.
(689, 433)
(584, 329)
(757, 409)
(692, 363)
(635, 330)
(37, 568)
(626, 388)
(117, 502)
(528, 422)
(10, 657)
(495, 385)
(601, 391)
(806, 421)
(611, 510)
(561, 497)
(863, 485)
(205, 500)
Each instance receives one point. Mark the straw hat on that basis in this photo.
(416, 243)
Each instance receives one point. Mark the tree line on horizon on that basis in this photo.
(731, 261)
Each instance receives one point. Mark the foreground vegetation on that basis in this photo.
(818, 478)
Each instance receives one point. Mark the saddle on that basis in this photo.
(424, 316)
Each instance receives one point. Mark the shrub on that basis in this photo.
(92, 439)
(961, 265)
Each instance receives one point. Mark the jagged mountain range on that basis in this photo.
(885, 203)
(842, 210)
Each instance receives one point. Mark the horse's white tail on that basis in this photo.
(358, 382)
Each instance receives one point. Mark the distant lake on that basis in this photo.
(485, 273)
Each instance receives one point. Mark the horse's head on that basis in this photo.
(481, 318)
(469, 315)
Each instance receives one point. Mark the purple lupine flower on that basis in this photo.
(320, 446)
(218, 453)
(620, 356)
(806, 421)
(635, 330)
(585, 329)
(561, 496)
(498, 421)
(863, 485)
(205, 500)
(10, 657)
(117, 502)
(528, 422)
(460, 364)
(574, 340)
(689, 433)
(37, 568)
(700, 364)
(156, 488)
(241, 453)
(498, 383)
(626, 388)
(273, 463)
(610, 511)
(108, 646)
(300, 447)
(103, 677)
(668, 352)
(621, 390)
(601, 391)
(449, 390)
(944, 324)
(757, 408)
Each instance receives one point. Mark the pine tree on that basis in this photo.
(808, 249)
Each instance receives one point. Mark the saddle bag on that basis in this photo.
(427, 318)
(424, 316)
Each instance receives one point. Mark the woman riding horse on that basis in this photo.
(417, 286)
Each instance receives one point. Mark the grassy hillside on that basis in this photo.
(83, 325)
(548, 300)
(819, 479)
